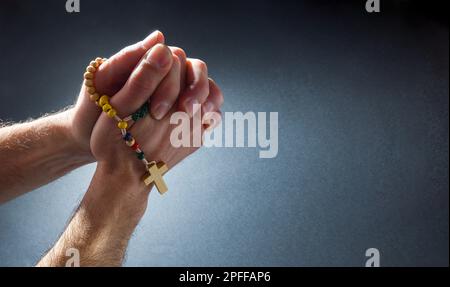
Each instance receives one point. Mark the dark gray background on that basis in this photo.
(363, 129)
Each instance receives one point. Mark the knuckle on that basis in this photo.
(171, 91)
(216, 92)
(220, 98)
(147, 66)
(176, 61)
(202, 67)
(139, 84)
(203, 89)
(125, 51)
(200, 90)
(199, 65)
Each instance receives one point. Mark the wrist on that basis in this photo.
(105, 220)
(116, 197)
(77, 147)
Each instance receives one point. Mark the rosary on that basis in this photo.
(155, 171)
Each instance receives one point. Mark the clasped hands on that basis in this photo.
(152, 72)
(145, 72)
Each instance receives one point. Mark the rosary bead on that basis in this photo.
(141, 155)
(135, 146)
(103, 100)
(139, 114)
(130, 142)
(89, 83)
(112, 113)
(106, 107)
(122, 125)
(90, 69)
(88, 75)
(91, 90)
(127, 136)
(94, 97)
(94, 64)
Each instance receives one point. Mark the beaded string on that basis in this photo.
(104, 104)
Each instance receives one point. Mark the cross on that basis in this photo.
(154, 174)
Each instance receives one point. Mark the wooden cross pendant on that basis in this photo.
(154, 174)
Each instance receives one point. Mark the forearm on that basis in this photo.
(35, 153)
(105, 220)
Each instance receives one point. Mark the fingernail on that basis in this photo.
(153, 35)
(160, 56)
(189, 106)
(160, 110)
(207, 107)
(152, 39)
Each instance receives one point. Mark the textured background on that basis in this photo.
(363, 136)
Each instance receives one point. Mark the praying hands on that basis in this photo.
(147, 74)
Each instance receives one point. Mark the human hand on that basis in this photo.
(110, 78)
(158, 76)
(117, 198)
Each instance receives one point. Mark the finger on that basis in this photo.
(144, 80)
(214, 100)
(167, 92)
(113, 74)
(214, 120)
(211, 107)
(182, 57)
(197, 87)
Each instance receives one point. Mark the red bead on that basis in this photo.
(135, 146)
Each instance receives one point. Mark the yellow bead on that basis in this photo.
(91, 90)
(112, 113)
(99, 61)
(122, 125)
(94, 97)
(94, 64)
(106, 107)
(89, 83)
(90, 69)
(103, 100)
(88, 76)
(130, 142)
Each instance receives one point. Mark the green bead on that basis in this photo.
(140, 156)
(140, 113)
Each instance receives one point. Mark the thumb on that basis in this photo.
(113, 74)
(144, 80)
